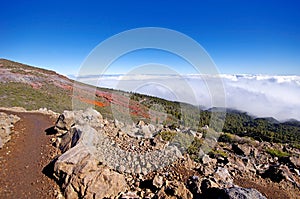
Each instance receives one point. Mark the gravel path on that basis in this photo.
(23, 159)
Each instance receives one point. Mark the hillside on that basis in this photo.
(32, 88)
(136, 146)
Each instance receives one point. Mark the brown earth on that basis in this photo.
(24, 157)
(271, 190)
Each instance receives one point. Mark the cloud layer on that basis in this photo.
(259, 95)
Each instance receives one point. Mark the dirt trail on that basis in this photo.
(23, 159)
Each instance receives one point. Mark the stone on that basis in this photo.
(145, 131)
(238, 193)
(69, 118)
(295, 161)
(159, 143)
(208, 184)
(129, 195)
(141, 123)
(65, 121)
(206, 160)
(174, 189)
(81, 175)
(241, 149)
(277, 173)
(223, 177)
(158, 181)
(6, 126)
(194, 185)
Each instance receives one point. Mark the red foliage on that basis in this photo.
(93, 102)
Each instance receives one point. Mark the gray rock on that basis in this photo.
(81, 174)
(242, 193)
(65, 121)
(223, 177)
(69, 118)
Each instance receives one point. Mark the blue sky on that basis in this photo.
(256, 37)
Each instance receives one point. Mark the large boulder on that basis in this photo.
(83, 176)
(69, 118)
(80, 173)
(65, 121)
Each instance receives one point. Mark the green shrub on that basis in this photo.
(277, 153)
(226, 137)
(167, 135)
(194, 148)
(218, 153)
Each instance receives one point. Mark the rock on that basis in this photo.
(69, 118)
(174, 189)
(206, 170)
(141, 123)
(89, 116)
(129, 195)
(65, 121)
(194, 185)
(278, 173)
(106, 158)
(82, 176)
(223, 177)
(6, 125)
(145, 131)
(210, 189)
(241, 149)
(159, 143)
(206, 160)
(238, 193)
(118, 124)
(295, 161)
(80, 173)
(158, 181)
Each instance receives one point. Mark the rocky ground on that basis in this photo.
(109, 159)
(23, 159)
(83, 155)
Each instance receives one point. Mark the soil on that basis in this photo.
(271, 190)
(24, 158)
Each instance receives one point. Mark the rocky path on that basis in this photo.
(23, 159)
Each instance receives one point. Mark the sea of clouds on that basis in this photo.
(259, 95)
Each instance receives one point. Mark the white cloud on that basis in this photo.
(259, 95)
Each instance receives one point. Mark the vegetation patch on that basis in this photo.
(218, 153)
(277, 153)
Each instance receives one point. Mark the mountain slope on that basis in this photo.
(34, 88)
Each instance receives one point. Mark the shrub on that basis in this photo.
(167, 135)
(218, 153)
(226, 137)
(194, 149)
(277, 153)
